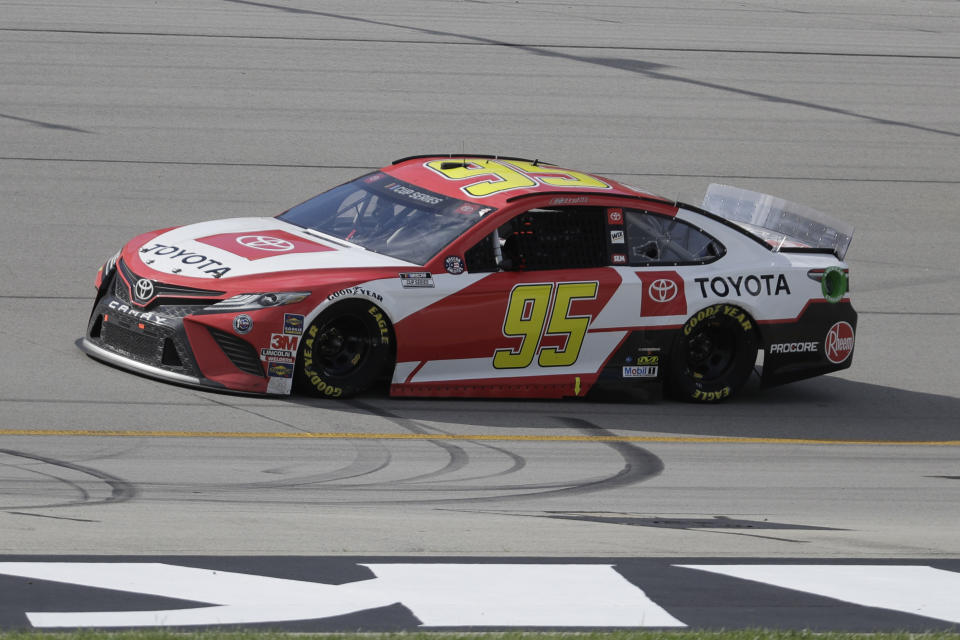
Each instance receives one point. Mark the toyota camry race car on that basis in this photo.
(484, 276)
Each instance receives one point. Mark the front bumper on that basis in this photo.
(171, 339)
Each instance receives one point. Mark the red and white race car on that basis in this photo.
(484, 276)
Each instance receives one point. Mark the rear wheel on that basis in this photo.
(345, 350)
(713, 354)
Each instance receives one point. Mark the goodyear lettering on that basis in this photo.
(319, 383)
(718, 309)
(381, 323)
(709, 396)
(795, 347)
(145, 316)
(355, 291)
(197, 261)
(752, 285)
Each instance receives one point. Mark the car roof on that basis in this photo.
(496, 180)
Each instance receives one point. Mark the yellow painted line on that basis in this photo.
(299, 435)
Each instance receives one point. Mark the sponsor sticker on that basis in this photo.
(279, 370)
(284, 342)
(640, 371)
(256, 245)
(615, 216)
(570, 200)
(753, 285)
(795, 347)
(293, 324)
(355, 291)
(277, 355)
(194, 260)
(839, 342)
(454, 265)
(616, 236)
(663, 294)
(242, 324)
(416, 279)
(618, 258)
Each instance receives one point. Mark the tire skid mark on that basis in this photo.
(458, 456)
(370, 458)
(518, 461)
(121, 490)
(638, 466)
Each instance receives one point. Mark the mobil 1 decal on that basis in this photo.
(663, 294)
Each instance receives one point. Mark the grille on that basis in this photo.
(240, 352)
(135, 344)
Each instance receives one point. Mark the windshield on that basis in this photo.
(388, 216)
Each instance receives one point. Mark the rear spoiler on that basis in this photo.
(784, 225)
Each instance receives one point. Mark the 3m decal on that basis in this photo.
(839, 343)
(484, 177)
(284, 342)
(536, 311)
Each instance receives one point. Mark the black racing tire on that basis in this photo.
(713, 354)
(345, 350)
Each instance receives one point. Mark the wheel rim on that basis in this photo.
(341, 346)
(711, 352)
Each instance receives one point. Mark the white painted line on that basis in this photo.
(497, 595)
(918, 590)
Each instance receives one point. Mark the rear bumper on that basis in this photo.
(808, 347)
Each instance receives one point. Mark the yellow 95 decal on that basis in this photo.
(538, 311)
(483, 177)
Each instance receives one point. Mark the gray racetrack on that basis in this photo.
(125, 116)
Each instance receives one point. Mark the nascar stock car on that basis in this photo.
(484, 276)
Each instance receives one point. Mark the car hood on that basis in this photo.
(249, 246)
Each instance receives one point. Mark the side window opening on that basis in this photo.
(542, 239)
(658, 240)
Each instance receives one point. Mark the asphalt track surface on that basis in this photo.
(125, 116)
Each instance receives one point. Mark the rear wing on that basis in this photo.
(784, 225)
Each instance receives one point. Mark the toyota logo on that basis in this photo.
(265, 243)
(662, 290)
(144, 289)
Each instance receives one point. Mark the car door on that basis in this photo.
(535, 287)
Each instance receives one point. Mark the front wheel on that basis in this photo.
(713, 355)
(345, 350)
